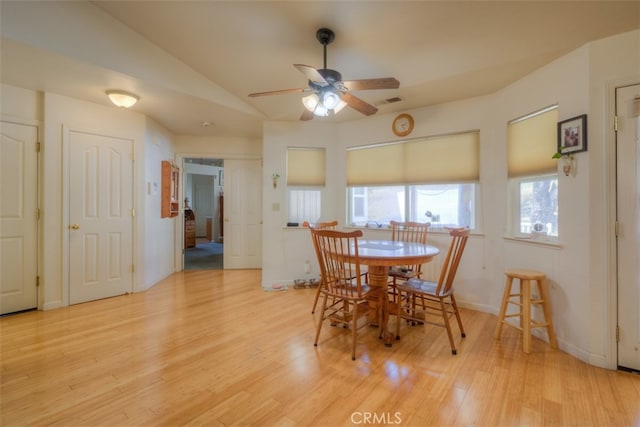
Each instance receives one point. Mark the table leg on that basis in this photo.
(378, 276)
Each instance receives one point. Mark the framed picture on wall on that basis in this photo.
(572, 135)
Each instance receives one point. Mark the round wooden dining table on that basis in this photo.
(379, 255)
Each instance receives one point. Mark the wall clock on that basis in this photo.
(402, 125)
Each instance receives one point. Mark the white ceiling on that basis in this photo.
(196, 61)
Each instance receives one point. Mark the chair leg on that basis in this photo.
(445, 316)
(322, 319)
(315, 300)
(354, 328)
(398, 303)
(457, 313)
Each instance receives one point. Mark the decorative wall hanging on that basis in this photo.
(572, 135)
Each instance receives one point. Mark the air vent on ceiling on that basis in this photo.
(389, 100)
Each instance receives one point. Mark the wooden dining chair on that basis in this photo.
(328, 225)
(346, 296)
(406, 232)
(420, 300)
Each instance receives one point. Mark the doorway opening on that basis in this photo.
(204, 204)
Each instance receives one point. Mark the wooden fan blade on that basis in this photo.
(358, 104)
(366, 84)
(278, 92)
(312, 74)
(306, 115)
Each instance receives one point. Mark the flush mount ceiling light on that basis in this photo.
(122, 98)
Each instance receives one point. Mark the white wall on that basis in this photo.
(218, 148)
(153, 238)
(580, 281)
(159, 237)
(285, 250)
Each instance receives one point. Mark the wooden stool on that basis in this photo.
(524, 302)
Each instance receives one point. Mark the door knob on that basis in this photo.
(75, 226)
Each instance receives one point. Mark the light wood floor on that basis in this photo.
(212, 348)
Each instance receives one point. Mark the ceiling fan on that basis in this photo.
(328, 92)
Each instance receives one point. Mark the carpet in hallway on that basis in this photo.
(205, 256)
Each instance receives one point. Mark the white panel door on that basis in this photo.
(100, 216)
(628, 216)
(242, 214)
(18, 217)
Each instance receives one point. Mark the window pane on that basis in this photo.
(304, 205)
(445, 204)
(376, 205)
(539, 206)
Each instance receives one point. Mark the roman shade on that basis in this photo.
(306, 166)
(531, 143)
(444, 158)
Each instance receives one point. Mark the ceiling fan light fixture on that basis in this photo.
(340, 106)
(310, 102)
(122, 98)
(330, 99)
(321, 110)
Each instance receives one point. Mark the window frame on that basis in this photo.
(540, 173)
(319, 189)
(516, 214)
(410, 205)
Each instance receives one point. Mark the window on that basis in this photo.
(533, 178)
(537, 205)
(431, 179)
(305, 205)
(305, 181)
(440, 204)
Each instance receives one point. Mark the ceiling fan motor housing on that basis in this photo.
(331, 76)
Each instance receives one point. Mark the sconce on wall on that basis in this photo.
(274, 179)
(568, 165)
(122, 98)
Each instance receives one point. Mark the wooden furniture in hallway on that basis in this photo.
(189, 229)
(169, 206)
